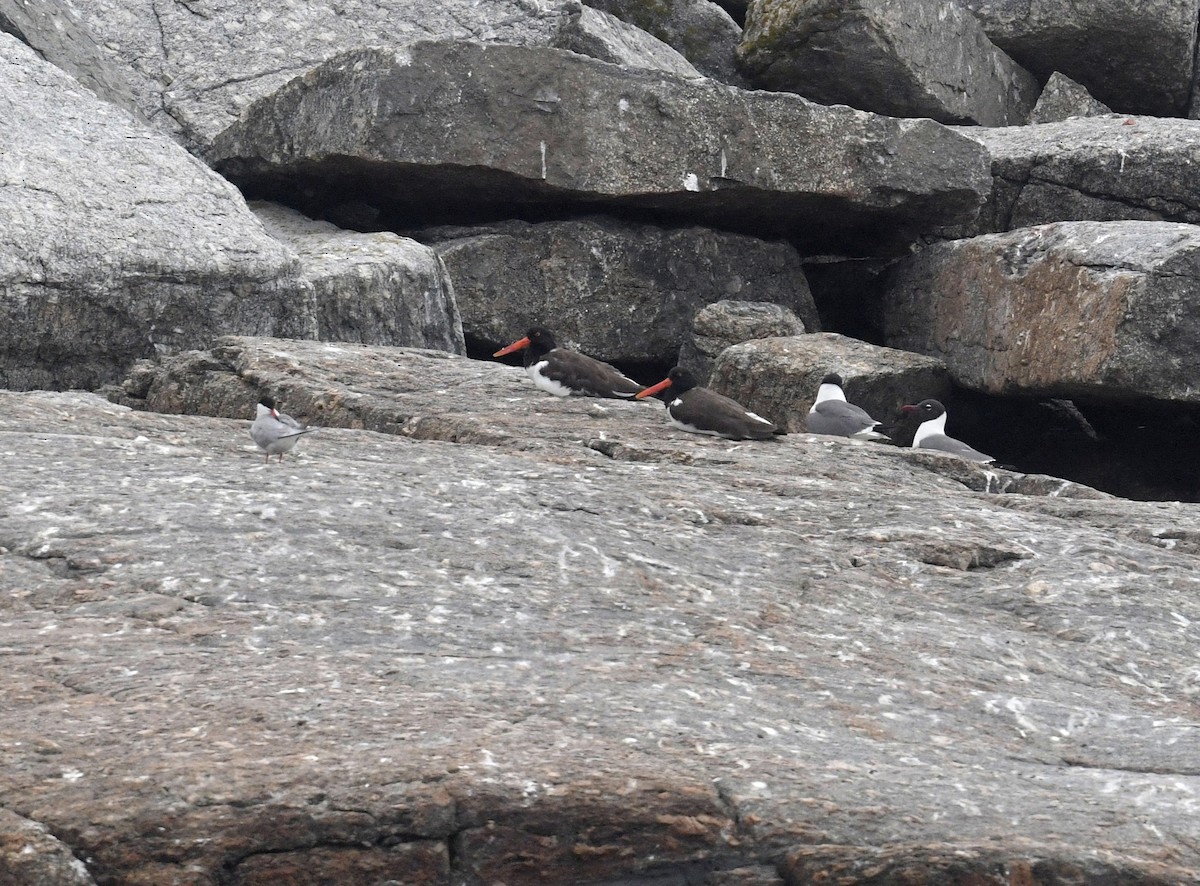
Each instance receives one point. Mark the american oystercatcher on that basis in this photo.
(566, 373)
(932, 432)
(832, 415)
(701, 411)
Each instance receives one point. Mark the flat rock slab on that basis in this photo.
(907, 58)
(116, 243)
(1104, 310)
(618, 291)
(438, 128)
(1091, 169)
(1134, 55)
(594, 649)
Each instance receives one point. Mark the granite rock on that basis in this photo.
(116, 243)
(374, 288)
(582, 648)
(1136, 56)
(417, 132)
(700, 30)
(726, 323)
(618, 291)
(907, 58)
(1099, 309)
(1091, 169)
(1063, 98)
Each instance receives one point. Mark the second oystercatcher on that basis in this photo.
(701, 411)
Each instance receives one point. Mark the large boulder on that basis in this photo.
(1103, 310)
(593, 650)
(726, 323)
(605, 37)
(194, 73)
(370, 288)
(55, 30)
(616, 290)
(444, 130)
(701, 30)
(1091, 169)
(1136, 56)
(1063, 98)
(907, 58)
(115, 243)
(779, 377)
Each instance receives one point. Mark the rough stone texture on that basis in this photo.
(451, 128)
(779, 377)
(30, 855)
(115, 243)
(195, 67)
(602, 36)
(617, 291)
(592, 650)
(1134, 55)
(1093, 168)
(702, 31)
(907, 58)
(1063, 98)
(726, 323)
(370, 288)
(55, 31)
(1107, 310)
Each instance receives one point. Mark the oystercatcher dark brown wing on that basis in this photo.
(566, 373)
(698, 410)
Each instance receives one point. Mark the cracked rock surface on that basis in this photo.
(575, 646)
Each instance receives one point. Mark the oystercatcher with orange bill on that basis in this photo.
(565, 373)
(698, 410)
(932, 433)
(832, 415)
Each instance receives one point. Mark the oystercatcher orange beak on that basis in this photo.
(519, 345)
(653, 389)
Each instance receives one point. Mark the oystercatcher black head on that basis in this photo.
(698, 410)
(931, 434)
(537, 341)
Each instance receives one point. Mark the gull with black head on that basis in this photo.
(931, 434)
(831, 414)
